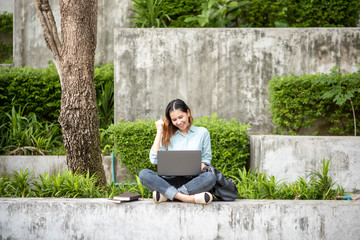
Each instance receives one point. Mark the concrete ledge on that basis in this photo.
(290, 157)
(35, 218)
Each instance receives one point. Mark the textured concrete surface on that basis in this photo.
(53, 164)
(242, 219)
(29, 43)
(7, 6)
(221, 70)
(290, 157)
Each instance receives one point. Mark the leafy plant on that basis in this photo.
(251, 185)
(323, 183)
(296, 102)
(165, 13)
(40, 91)
(303, 13)
(256, 185)
(6, 53)
(104, 82)
(5, 185)
(20, 185)
(6, 22)
(343, 89)
(229, 143)
(219, 13)
(24, 135)
(148, 14)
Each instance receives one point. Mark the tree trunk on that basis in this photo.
(75, 62)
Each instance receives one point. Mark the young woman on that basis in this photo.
(176, 132)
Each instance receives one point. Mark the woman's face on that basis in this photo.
(180, 119)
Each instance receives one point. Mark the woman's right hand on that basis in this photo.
(159, 125)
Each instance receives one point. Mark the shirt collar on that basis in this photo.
(191, 129)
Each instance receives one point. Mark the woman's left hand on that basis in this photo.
(202, 166)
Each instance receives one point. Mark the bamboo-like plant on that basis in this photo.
(148, 14)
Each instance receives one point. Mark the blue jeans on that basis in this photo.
(170, 186)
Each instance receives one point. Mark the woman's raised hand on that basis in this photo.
(159, 125)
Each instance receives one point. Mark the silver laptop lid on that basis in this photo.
(179, 163)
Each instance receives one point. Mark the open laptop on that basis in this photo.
(179, 163)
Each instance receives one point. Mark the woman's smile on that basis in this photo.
(180, 119)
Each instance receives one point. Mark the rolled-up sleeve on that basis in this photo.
(152, 157)
(206, 148)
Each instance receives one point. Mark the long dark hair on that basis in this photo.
(169, 128)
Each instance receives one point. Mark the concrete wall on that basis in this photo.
(29, 44)
(53, 164)
(242, 219)
(290, 157)
(7, 6)
(221, 70)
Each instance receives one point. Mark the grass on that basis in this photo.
(251, 185)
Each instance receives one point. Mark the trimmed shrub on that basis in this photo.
(40, 91)
(6, 22)
(296, 102)
(6, 27)
(229, 143)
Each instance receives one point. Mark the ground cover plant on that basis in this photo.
(251, 185)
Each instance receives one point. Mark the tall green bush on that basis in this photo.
(229, 143)
(6, 22)
(296, 102)
(40, 91)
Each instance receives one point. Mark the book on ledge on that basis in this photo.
(127, 196)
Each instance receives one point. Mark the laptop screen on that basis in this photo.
(179, 163)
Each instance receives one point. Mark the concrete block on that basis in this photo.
(242, 219)
(29, 43)
(290, 157)
(222, 70)
(7, 6)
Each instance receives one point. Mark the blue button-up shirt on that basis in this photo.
(197, 138)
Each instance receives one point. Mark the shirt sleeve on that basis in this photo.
(153, 156)
(206, 148)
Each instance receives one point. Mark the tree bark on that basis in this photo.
(75, 57)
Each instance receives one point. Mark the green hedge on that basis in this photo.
(296, 102)
(303, 13)
(229, 142)
(6, 22)
(6, 27)
(40, 91)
